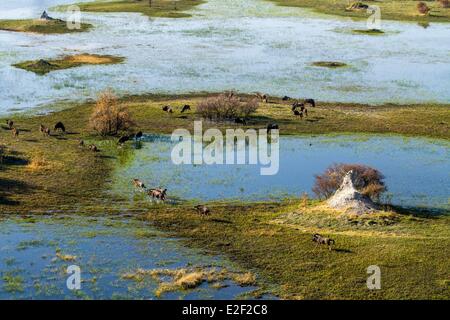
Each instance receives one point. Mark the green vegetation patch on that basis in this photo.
(153, 8)
(373, 32)
(390, 9)
(329, 64)
(43, 67)
(55, 26)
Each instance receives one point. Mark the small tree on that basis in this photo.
(422, 8)
(368, 181)
(109, 116)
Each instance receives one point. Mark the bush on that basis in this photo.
(444, 3)
(226, 107)
(422, 8)
(368, 181)
(109, 116)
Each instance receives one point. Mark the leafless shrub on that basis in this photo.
(109, 116)
(226, 107)
(422, 8)
(368, 181)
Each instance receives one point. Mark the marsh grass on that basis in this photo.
(275, 241)
(182, 279)
(390, 9)
(42, 67)
(76, 176)
(159, 8)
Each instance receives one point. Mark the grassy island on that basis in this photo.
(41, 26)
(153, 8)
(43, 67)
(390, 9)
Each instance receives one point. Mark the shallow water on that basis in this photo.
(250, 45)
(105, 249)
(416, 171)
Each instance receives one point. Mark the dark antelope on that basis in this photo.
(322, 240)
(60, 126)
(186, 108)
(158, 193)
(10, 124)
(44, 130)
(202, 209)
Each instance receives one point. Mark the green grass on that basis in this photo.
(159, 8)
(390, 9)
(41, 26)
(329, 64)
(374, 32)
(12, 283)
(52, 173)
(274, 241)
(42, 67)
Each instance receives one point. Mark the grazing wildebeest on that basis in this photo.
(80, 143)
(93, 148)
(167, 109)
(15, 132)
(298, 113)
(322, 240)
(311, 102)
(272, 126)
(296, 105)
(138, 135)
(10, 124)
(123, 139)
(60, 126)
(186, 108)
(202, 209)
(240, 120)
(158, 193)
(262, 97)
(286, 98)
(138, 184)
(44, 130)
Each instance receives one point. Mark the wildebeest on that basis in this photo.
(322, 240)
(298, 113)
(186, 108)
(60, 126)
(93, 148)
(240, 120)
(296, 105)
(10, 124)
(167, 109)
(262, 97)
(44, 130)
(80, 143)
(138, 135)
(202, 209)
(286, 98)
(311, 102)
(272, 126)
(123, 139)
(158, 193)
(15, 132)
(138, 184)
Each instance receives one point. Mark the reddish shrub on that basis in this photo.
(226, 107)
(422, 8)
(444, 3)
(368, 181)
